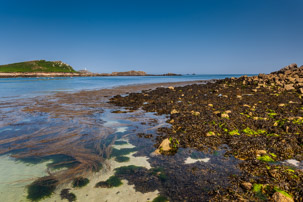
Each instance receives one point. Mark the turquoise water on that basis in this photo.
(29, 87)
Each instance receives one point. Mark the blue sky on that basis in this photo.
(156, 36)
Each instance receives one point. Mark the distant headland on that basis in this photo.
(42, 68)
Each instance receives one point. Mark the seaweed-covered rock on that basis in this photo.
(41, 188)
(263, 128)
(80, 182)
(113, 181)
(279, 197)
(65, 194)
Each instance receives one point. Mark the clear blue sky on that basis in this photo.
(156, 36)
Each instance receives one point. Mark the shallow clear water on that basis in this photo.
(189, 173)
(29, 87)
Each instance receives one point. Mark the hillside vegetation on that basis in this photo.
(37, 66)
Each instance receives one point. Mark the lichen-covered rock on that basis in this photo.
(279, 197)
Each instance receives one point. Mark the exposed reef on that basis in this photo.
(260, 119)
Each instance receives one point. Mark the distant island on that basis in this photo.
(42, 68)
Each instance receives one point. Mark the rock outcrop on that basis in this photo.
(286, 79)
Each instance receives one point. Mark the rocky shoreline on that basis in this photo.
(259, 119)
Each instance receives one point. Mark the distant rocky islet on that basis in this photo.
(42, 68)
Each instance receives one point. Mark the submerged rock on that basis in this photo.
(41, 188)
(65, 194)
(80, 182)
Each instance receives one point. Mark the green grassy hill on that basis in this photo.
(37, 66)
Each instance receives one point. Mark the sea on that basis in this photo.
(49, 143)
(12, 88)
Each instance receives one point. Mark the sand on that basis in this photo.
(124, 192)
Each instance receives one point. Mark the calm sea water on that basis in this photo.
(11, 88)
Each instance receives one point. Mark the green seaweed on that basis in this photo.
(121, 159)
(273, 155)
(160, 173)
(234, 132)
(65, 194)
(113, 181)
(257, 188)
(122, 152)
(41, 188)
(265, 158)
(283, 192)
(163, 177)
(120, 142)
(127, 169)
(72, 197)
(250, 131)
(272, 114)
(80, 182)
(160, 199)
(58, 161)
(174, 142)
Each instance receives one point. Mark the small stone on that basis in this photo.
(300, 90)
(228, 111)
(171, 88)
(210, 134)
(217, 112)
(260, 152)
(246, 185)
(239, 96)
(289, 87)
(281, 105)
(299, 80)
(254, 90)
(279, 197)
(210, 105)
(291, 79)
(195, 113)
(224, 115)
(174, 112)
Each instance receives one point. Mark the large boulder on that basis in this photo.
(279, 197)
(293, 65)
